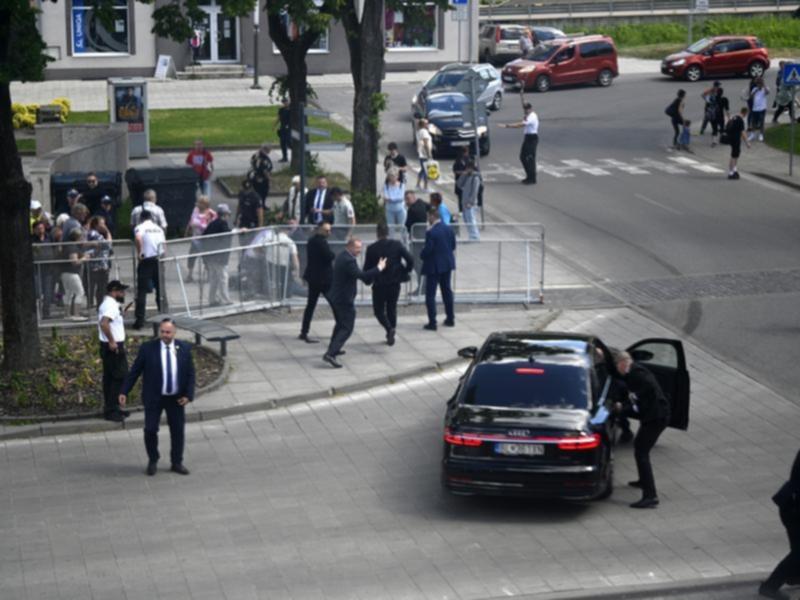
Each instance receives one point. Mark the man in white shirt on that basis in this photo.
(150, 204)
(111, 331)
(527, 153)
(150, 239)
(344, 216)
(759, 112)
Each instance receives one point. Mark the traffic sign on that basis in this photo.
(701, 6)
(325, 147)
(319, 132)
(457, 2)
(791, 74)
(313, 112)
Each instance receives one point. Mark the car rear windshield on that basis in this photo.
(507, 33)
(525, 384)
(543, 53)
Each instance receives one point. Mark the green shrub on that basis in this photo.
(367, 207)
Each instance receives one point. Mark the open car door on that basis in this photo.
(665, 359)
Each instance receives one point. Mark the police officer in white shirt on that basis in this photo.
(150, 204)
(111, 330)
(150, 241)
(527, 154)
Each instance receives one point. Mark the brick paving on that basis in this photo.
(339, 498)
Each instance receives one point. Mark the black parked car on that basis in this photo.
(450, 122)
(532, 414)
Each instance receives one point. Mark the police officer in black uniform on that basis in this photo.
(648, 404)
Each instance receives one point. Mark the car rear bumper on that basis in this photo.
(579, 482)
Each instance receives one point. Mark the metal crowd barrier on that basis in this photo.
(510, 11)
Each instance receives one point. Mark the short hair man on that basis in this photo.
(319, 203)
(150, 204)
(168, 378)
(111, 331)
(438, 264)
(318, 275)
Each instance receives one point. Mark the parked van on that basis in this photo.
(586, 59)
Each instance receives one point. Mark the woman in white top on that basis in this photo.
(424, 151)
(393, 198)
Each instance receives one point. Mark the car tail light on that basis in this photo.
(583, 442)
(461, 439)
(529, 371)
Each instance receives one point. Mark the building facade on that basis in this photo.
(417, 37)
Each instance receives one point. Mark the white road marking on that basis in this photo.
(658, 204)
(554, 170)
(694, 164)
(586, 167)
(662, 166)
(630, 169)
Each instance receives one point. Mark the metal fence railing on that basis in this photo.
(248, 270)
(532, 8)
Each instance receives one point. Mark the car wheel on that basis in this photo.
(756, 69)
(608, 485)
(542, 83)
(605, 78)
(693, 73)
(497, 102)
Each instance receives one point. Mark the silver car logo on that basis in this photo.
(519, 432)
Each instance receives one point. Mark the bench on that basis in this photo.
(202, 329)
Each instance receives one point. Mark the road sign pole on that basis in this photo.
(302, 151)
(791, 132)
(689, 35)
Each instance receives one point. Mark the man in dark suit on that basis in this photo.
(386, 286)
(650, 405)
(788, 570)
(167, 371)
(438, 263)
(318, 275)
(319, 203)
(342, 296)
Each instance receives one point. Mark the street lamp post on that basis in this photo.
(256, 13)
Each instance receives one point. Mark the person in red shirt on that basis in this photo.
(202, 162)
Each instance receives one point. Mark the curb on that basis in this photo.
(778, 180)
(747, 582)
(71, 428)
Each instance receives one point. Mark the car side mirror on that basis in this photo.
(468, 352)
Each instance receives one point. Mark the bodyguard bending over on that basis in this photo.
(167, 371)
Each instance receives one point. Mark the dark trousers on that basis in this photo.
(98, 280)
(285, 136)
(314, 292)
(442, 281)
(345, 315)
(115, 369)
(44, 288)
(789, 567)
(384, 304)
(176, 419)
(676, 130)
(527, 155)
(646, 438)
(146, 279)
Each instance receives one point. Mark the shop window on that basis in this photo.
(413, 26)
(91, 37)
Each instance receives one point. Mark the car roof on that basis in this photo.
(584, 38)
(545, 28)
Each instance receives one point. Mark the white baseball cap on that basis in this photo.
(35, 205)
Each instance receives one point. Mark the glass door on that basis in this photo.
(221, 36)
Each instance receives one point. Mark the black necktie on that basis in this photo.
(169, 372)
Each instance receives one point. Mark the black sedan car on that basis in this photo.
(532, 414)
(450, 122)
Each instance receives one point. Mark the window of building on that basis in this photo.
(91, 37)
(320, 46)
(413, 26)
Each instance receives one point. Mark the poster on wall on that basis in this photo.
(129, 107)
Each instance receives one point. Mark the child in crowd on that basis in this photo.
(685, 137)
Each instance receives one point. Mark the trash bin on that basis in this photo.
(109, 183)
(175, 188)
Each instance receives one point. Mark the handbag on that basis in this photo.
(432, 169)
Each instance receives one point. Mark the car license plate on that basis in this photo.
(509, 78)
(507, 449)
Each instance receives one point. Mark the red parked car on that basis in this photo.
(586, 59)
(721, 55)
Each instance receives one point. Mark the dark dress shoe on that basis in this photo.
(151, 468)
(768, 592)
(645, 503)
(625, 437)
(430, 327)
(390, 337)
(179, 469)
(307, 339)
(332, 361)
(116, 417)
(138, 325)
(449, 323)
(341, 353)
(636, 484)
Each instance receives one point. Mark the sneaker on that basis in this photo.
(760, 137)
(751, 137)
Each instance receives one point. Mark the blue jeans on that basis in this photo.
(395, 213)
(472, 227)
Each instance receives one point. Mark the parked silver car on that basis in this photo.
(488, 86)
(500, 43)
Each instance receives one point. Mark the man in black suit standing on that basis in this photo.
(438, 264)
(342, 296)
(318, 275)
(386, 286)
(167, 370)
(788, 570)
(319, 203)
(650, 405)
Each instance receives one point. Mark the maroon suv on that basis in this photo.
(721, 55)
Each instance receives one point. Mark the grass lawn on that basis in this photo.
(281, 180)
(778, 137)
(219, 127)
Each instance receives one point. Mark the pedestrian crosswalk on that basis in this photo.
(603, 167)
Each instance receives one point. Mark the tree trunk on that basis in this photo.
(365, 39)
(20, 328)
(296, 73)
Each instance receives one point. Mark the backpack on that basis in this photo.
(672, 108)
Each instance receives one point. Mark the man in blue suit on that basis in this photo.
(167, 371)
(438, 263)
